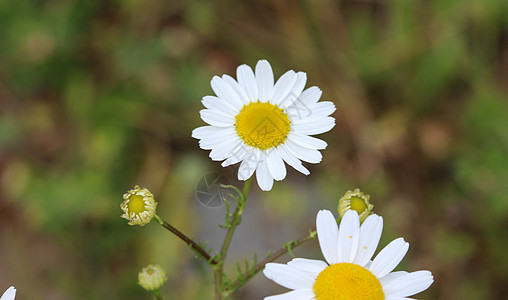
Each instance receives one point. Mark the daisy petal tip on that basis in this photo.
(427, 274)
(402, 244)
(324, 213)
(243, 67)
(429, 280)
(266, 188)
(214, 79)
(263, 61)
(269, 268)
(9, 294)
(350, 214)
(378, 220)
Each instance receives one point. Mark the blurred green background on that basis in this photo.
(97, 96)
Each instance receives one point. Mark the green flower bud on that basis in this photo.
(355, 200)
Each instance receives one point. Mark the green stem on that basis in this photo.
(217, 275)
(157, 295)
(260, 266)
(197, 248)
(236, 220)
(232, 223)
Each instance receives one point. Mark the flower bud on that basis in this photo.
(152, 277)
(355, 200)
(139, 206)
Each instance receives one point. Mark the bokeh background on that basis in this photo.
(97, 96)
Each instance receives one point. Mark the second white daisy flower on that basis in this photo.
(349, 273)
(261, 125)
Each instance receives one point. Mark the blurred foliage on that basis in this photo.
(97, 96)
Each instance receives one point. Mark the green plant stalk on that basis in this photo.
(157, 295)
(291, 245)
(194, 246)
(235, 221)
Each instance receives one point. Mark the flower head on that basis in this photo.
(355, 200)
(151, 278)
(138, 206)
(263, 125)
(9, 294)
(349, 273)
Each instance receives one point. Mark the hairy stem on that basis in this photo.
(232, 223)
(287, 248)
(197, 248)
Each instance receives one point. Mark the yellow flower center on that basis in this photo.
(346, 281)
(136, 204)
(262, 125)
(358, 204)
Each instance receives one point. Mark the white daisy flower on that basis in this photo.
(9, 294)
(348, 273)
(262, 125)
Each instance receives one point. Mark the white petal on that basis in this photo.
(391, 277)
(276, 165)
(349, 236)
(291, 160)
(216, 140)
(367, 266)
(264, 78)
(224, 149)
(328, 236)
(213, 140)
(307, 141)
(226, 92)
(370, 233)
(322, 109)
(311, 266)
(389, 257)
(216, 118)
(248, 82)
(313, 125)
(248, 166)
(306, 106)
(301, 294)
(291, 101)
(283, 87)
(409, 284)
(301, 79)
(239, 154)
(310, 95)
(305, 154)
(215, 103)
(287, 276)
(240, 92)
(204, 131)
(263, 177)
(9, 294)
(296, 109)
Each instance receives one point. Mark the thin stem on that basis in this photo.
(157, 295)
(236, 220)
(217, 275)
(287, 248)
(232, 223)
(197, 248)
